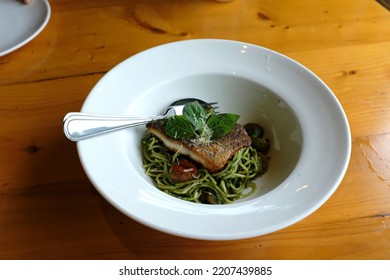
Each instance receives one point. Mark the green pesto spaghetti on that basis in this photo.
(235, 181)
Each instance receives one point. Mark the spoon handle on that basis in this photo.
(79, 126)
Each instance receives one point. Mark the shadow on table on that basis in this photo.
(147, 243)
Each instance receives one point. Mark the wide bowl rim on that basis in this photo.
(218, 234)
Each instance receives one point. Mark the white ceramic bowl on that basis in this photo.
(308, 129)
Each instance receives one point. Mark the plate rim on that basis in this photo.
(34, 32)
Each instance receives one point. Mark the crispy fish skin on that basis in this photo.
(213, 156)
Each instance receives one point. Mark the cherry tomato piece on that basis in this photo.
(183, 171)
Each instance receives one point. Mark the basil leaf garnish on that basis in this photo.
(179, 127)
(199, 125)
(196, 114)
(221, 124)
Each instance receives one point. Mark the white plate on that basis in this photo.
(309, 132)
(20, 23)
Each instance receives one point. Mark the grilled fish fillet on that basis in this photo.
(213, 156)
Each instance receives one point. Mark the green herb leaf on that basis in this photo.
(196, 114)
(221, 124)
(179, 127)
(200, 125)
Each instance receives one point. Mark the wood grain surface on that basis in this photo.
(50, 210)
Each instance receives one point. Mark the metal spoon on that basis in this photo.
(79, 126)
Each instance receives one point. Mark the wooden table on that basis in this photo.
(50, 210)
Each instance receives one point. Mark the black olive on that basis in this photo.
(261, 145)
(254, 130)
(263, 162)
(209, 197)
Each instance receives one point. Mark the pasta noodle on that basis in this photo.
(226, 186)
